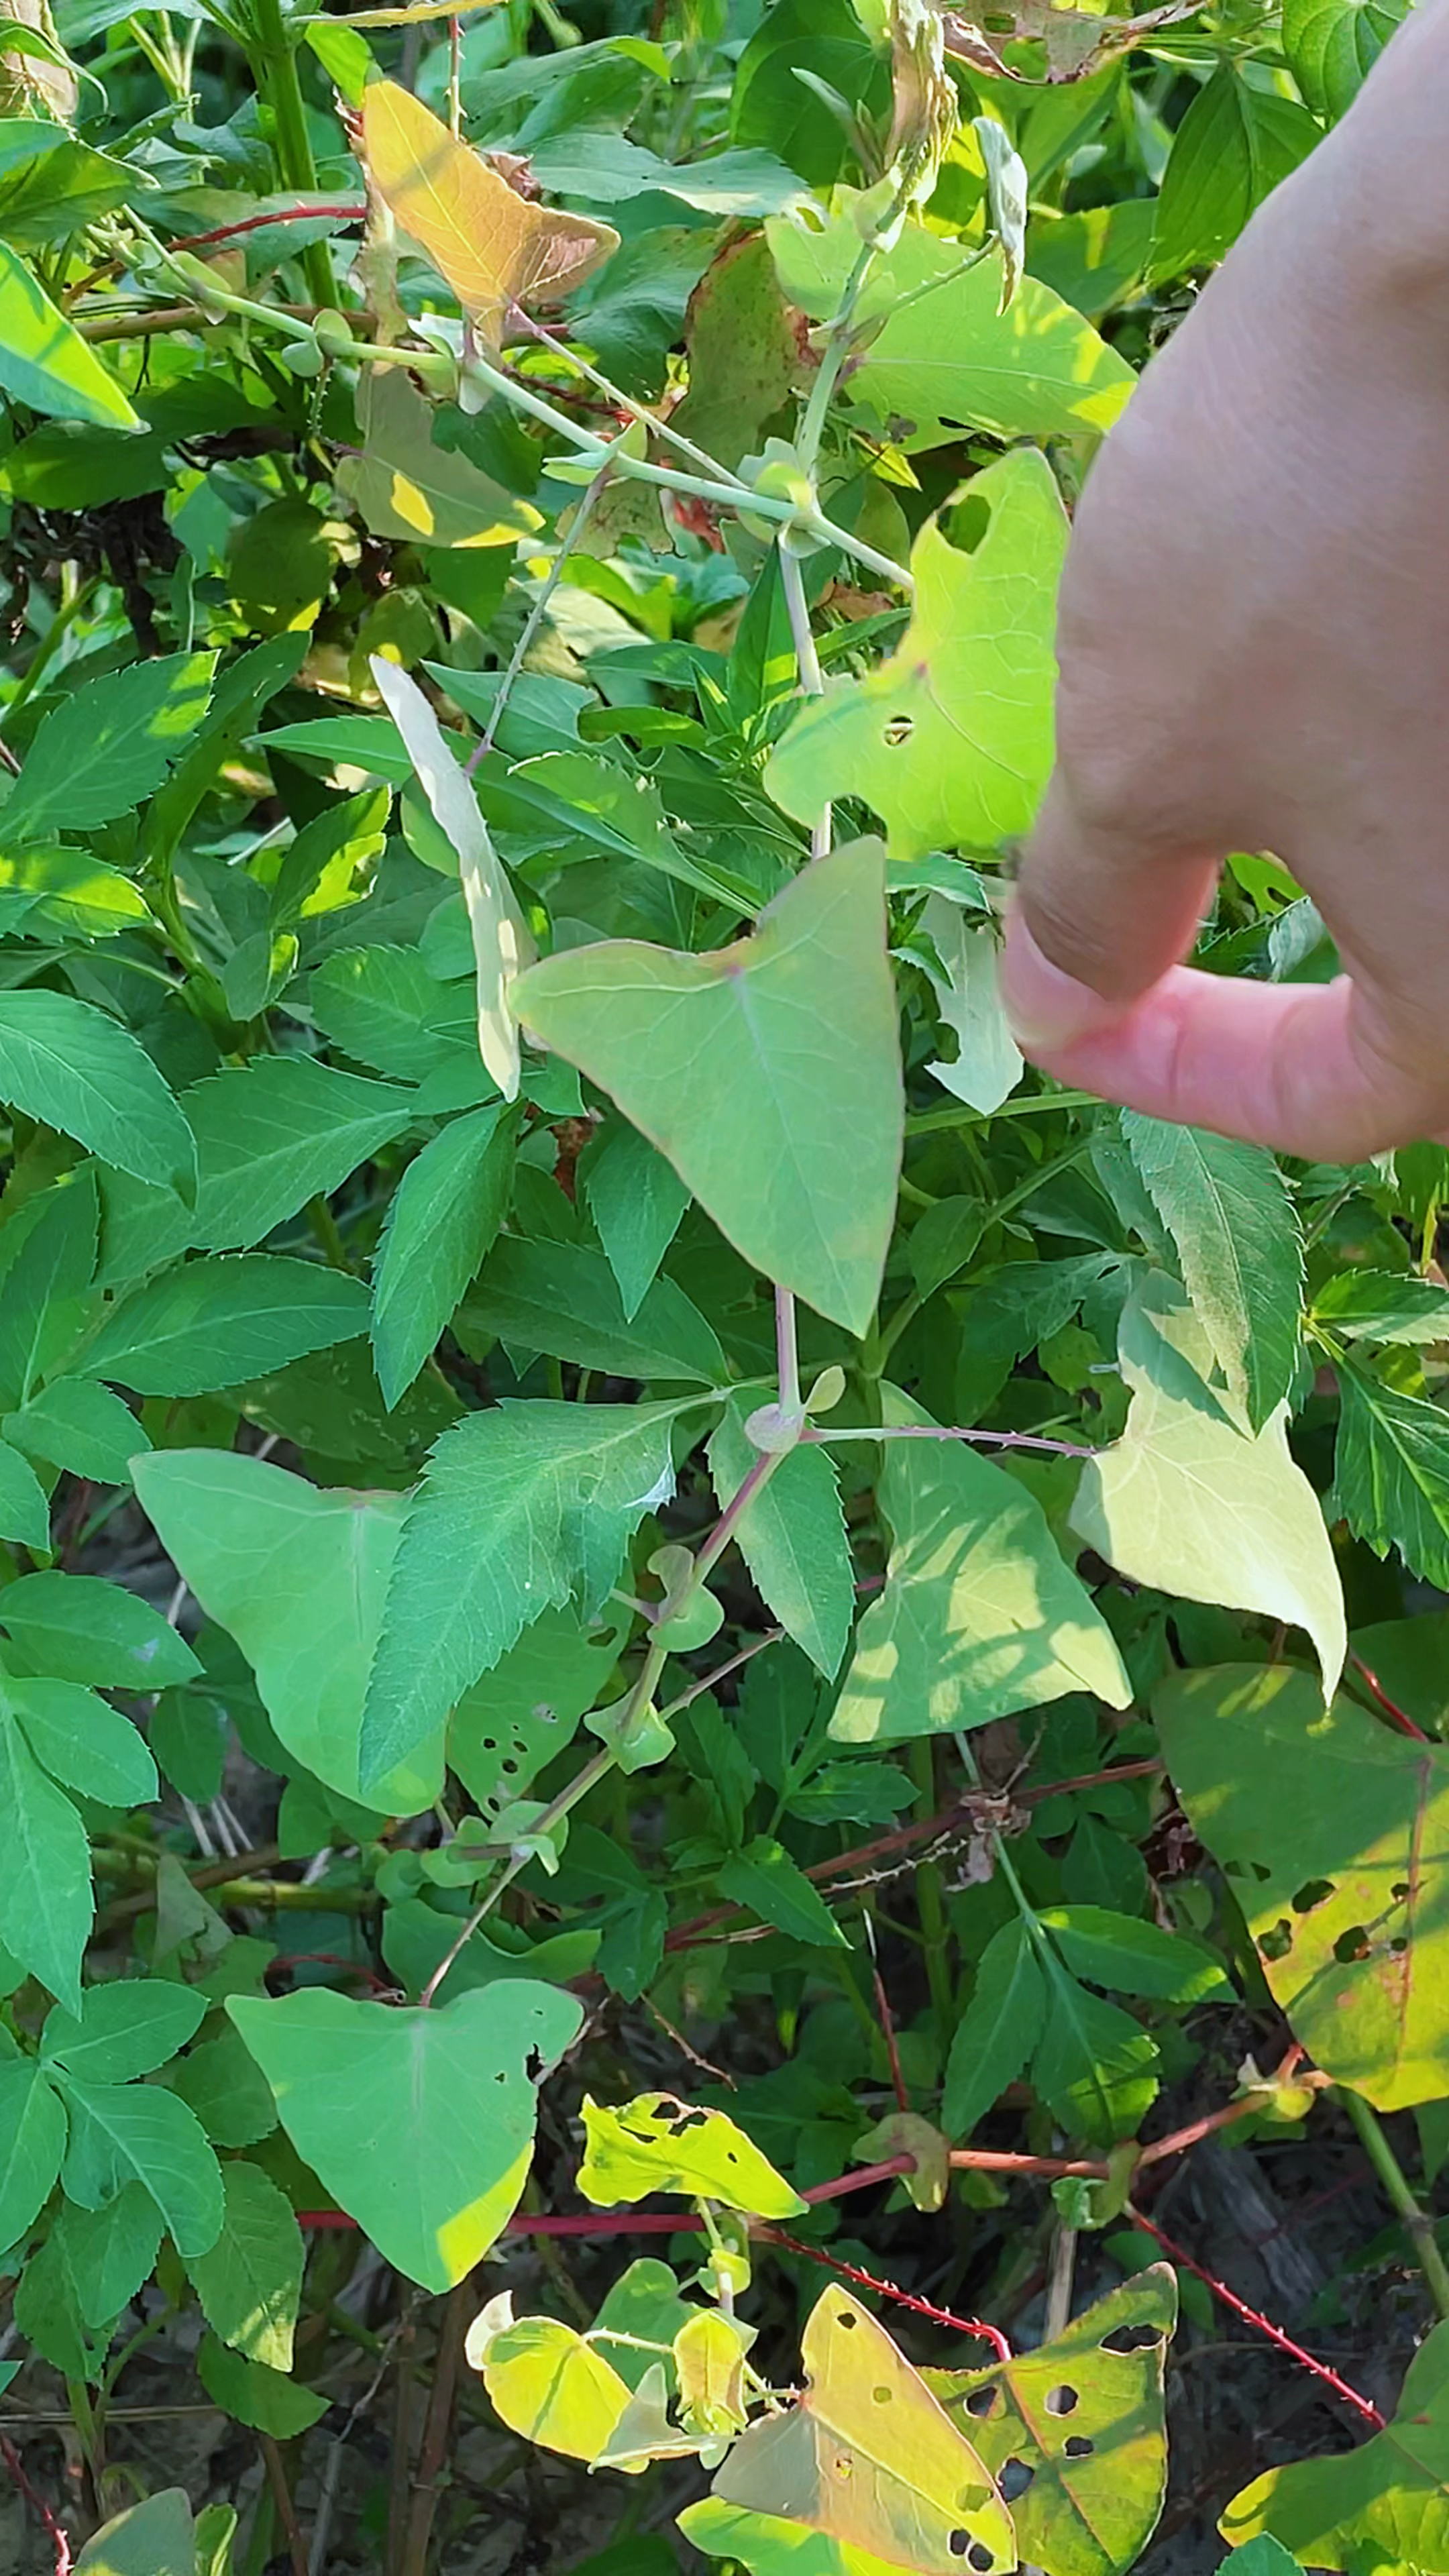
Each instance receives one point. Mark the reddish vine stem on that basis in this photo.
(351, 213)
(1264, 2325)
(59, 2537)
(1390, 1707)
(888, 2290)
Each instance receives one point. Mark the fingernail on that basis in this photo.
(1045, 1008)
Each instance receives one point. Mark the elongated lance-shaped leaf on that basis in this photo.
(1236, 1233)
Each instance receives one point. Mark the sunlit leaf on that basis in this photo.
(869, 2457)
(1084, 2415)
(1384, 2504)
(456, 2083)
(407, 487)
(45, 363)
(657, 2143)
(950, 739)
(494, 248)
(1333, 1831)
(548, 2383)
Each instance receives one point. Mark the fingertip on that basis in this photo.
(1046, 1008)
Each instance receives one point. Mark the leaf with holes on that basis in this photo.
(656, 2143)
(868, 2457)
(298, 1577)
(1075, 2432)
(514, 1719)
(768, 1072)
(1333, 1833)
(950, 740)
(1384, 2505)
(454, 2087)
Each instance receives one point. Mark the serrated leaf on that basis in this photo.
(122, 2133)
(657, 2143)
(522, 1508)
(867, 2456)
(996, 2034)
(1385, 2503)
(298, 1576)
(1236, 1233)
(111, 2251)
(1331, 47)
(1391, 1472)
(46, 1904)
(1382, 1306)
(253, 2394)
(84, 1428)
(1232, 148)
(456, 2080)
(274, 1133)
(249, 2283)
(502, 943)
(1188, 1502)
(441, 1220)
(563, 1298)
(792, 1538)
(1132, 1957)
(122, 2030)
(980, 1615)
(44, 362)
(1094, 2066)
(1332, 1831)
(24, 1508)
(108, 746)
(219, 1322)
(381, 1005)
(493, 247)
(80, 1629)
(767, 1072)
(771, 1885)
(32, 2143)
(1085, 2414)
(76, 1068)
(45, 1305)
(636, 1200)
(81, 1740)
(950, 739)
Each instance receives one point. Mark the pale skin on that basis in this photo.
(1254, 652)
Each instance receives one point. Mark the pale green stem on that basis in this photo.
(535, 618)
(1418, 2223)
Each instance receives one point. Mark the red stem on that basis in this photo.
(1275, 2334)
(59, 2538)
(1390, 1707)
(348, 214)
(887, 2290)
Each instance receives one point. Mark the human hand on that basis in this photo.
(1254, 652)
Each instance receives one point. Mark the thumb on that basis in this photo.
(1098, 918)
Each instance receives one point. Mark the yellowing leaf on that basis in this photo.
(1333, 1832)
(501, 944)
(493, 247)
(656, 2143)
(406, 486)
(870, 2458)
(547, 2382)
(709, 2355)
(1085, 2415)
(950, 740)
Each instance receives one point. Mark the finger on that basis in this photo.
(1306, 1068)
(1110, 908)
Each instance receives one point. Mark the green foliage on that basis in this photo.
(594, 1473)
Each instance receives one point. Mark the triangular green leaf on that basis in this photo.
(980, 1615)
(767, 1072)
(792, 1538)
(1385, 2503)
(456, 2082)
